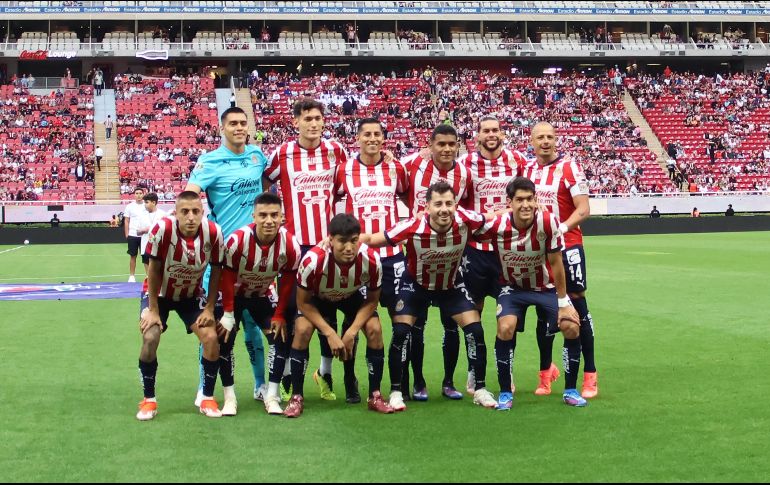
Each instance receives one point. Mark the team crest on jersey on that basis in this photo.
(463, 229)
(583, 186)
(541, 236)
(400, 305)
(365, 277)
(199, 166)
(254, 159)
(344, 280)
(282, 259)
(332, 158)
(558, 171)
(207, 247)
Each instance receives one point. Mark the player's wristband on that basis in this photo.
(565, 302)
(227, 321)
(563, 228)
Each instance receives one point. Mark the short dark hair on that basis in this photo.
(519, 183)
(368, 121)
(489, 118)
(267, 198)
(188, 195)
(439, 188)
(344, 225)
(443, 129)
(229, 111)
(140, 187)
(306, 104)
(151, 197)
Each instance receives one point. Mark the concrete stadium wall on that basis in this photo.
(598, 226)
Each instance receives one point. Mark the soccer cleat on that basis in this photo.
(505, 401)
(397, 401)
(451, 393)
(420, 394)
(198, 398)
(546, 378)
(378, 404)
(260, 392)
(590, 386)
(147, 410)
(230, 408)
(295, 407)
(484, 398)
(325, 386)
(132, 279)
(572, 398)
(210, 408)
(470, 385)
(352, 396)
(273, 406)
(285, 391)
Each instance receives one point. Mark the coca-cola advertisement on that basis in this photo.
(39, 55)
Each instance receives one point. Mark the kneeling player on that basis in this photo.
(345, 277)
(180, 248)
(529, 245)
(435, 242)
(254, 256)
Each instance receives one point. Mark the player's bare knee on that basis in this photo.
(208, 337)
(303, 332)
(506, 327)
(373, 332)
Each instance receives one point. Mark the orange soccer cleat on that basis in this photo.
(546, 378)
(147, 409)
(210, 408)
(590, 385)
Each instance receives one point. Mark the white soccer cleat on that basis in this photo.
(198, 398)
(396, 401)
(260, 393)
(132, 279)
(230, 407)
(148, 409)
(273, 406)
(484, 398)
(210, 409)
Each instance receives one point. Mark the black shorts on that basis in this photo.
(575, 268)
(133, 245)
(393, 269)
(145, 259)
(260, 308)
(513, 301)
(414, 299)
(481, 272)
(188, 310)
(349, 307)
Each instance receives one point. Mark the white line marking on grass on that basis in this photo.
(12, 249)
(59, 278)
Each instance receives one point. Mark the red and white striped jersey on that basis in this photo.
(257, 265)
(322, 276)
(372, 192)
(489, 180)
(184, 260)
(433, 258)
(307, 185)
(557, 183)
(523, 254)
(423, 173)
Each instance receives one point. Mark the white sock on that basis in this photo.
(272, 389)
(229, 392)
(287, 368)
(150, 399)
(326, 365)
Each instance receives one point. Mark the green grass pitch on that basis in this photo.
(682, 339)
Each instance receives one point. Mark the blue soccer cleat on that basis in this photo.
(451, 393)
(572, 397)
(420, 394)
(505, 401)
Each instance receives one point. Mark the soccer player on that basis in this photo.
(254, 256)
(562, 189)
(231, 177)
(435, 242)
(305, 169)
(131, 217)
(371, 185)
(423, 172)
(347, 277)
(491, 168)
(528, 246)
(148, 220)
(180, 248)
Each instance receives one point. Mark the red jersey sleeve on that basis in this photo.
(159, 239)
(273, 170)
(575, 179)
(217, 257)
(489, 230)
(473, 220)
(401, 231)
(306, 273)
(554, 238)
(233, 251)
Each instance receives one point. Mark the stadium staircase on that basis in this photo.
(107, 180)
(243, 101)
(653, 143)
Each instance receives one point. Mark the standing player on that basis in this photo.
(423, 173)
(528, 246)
(231, 177)
(254, 256)
(180, 248)
(435, 242)
(305, 169)
(491, 168)
(372, 185)
(132, 214)
(562, 189)
(148, 220)
(345, 277)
